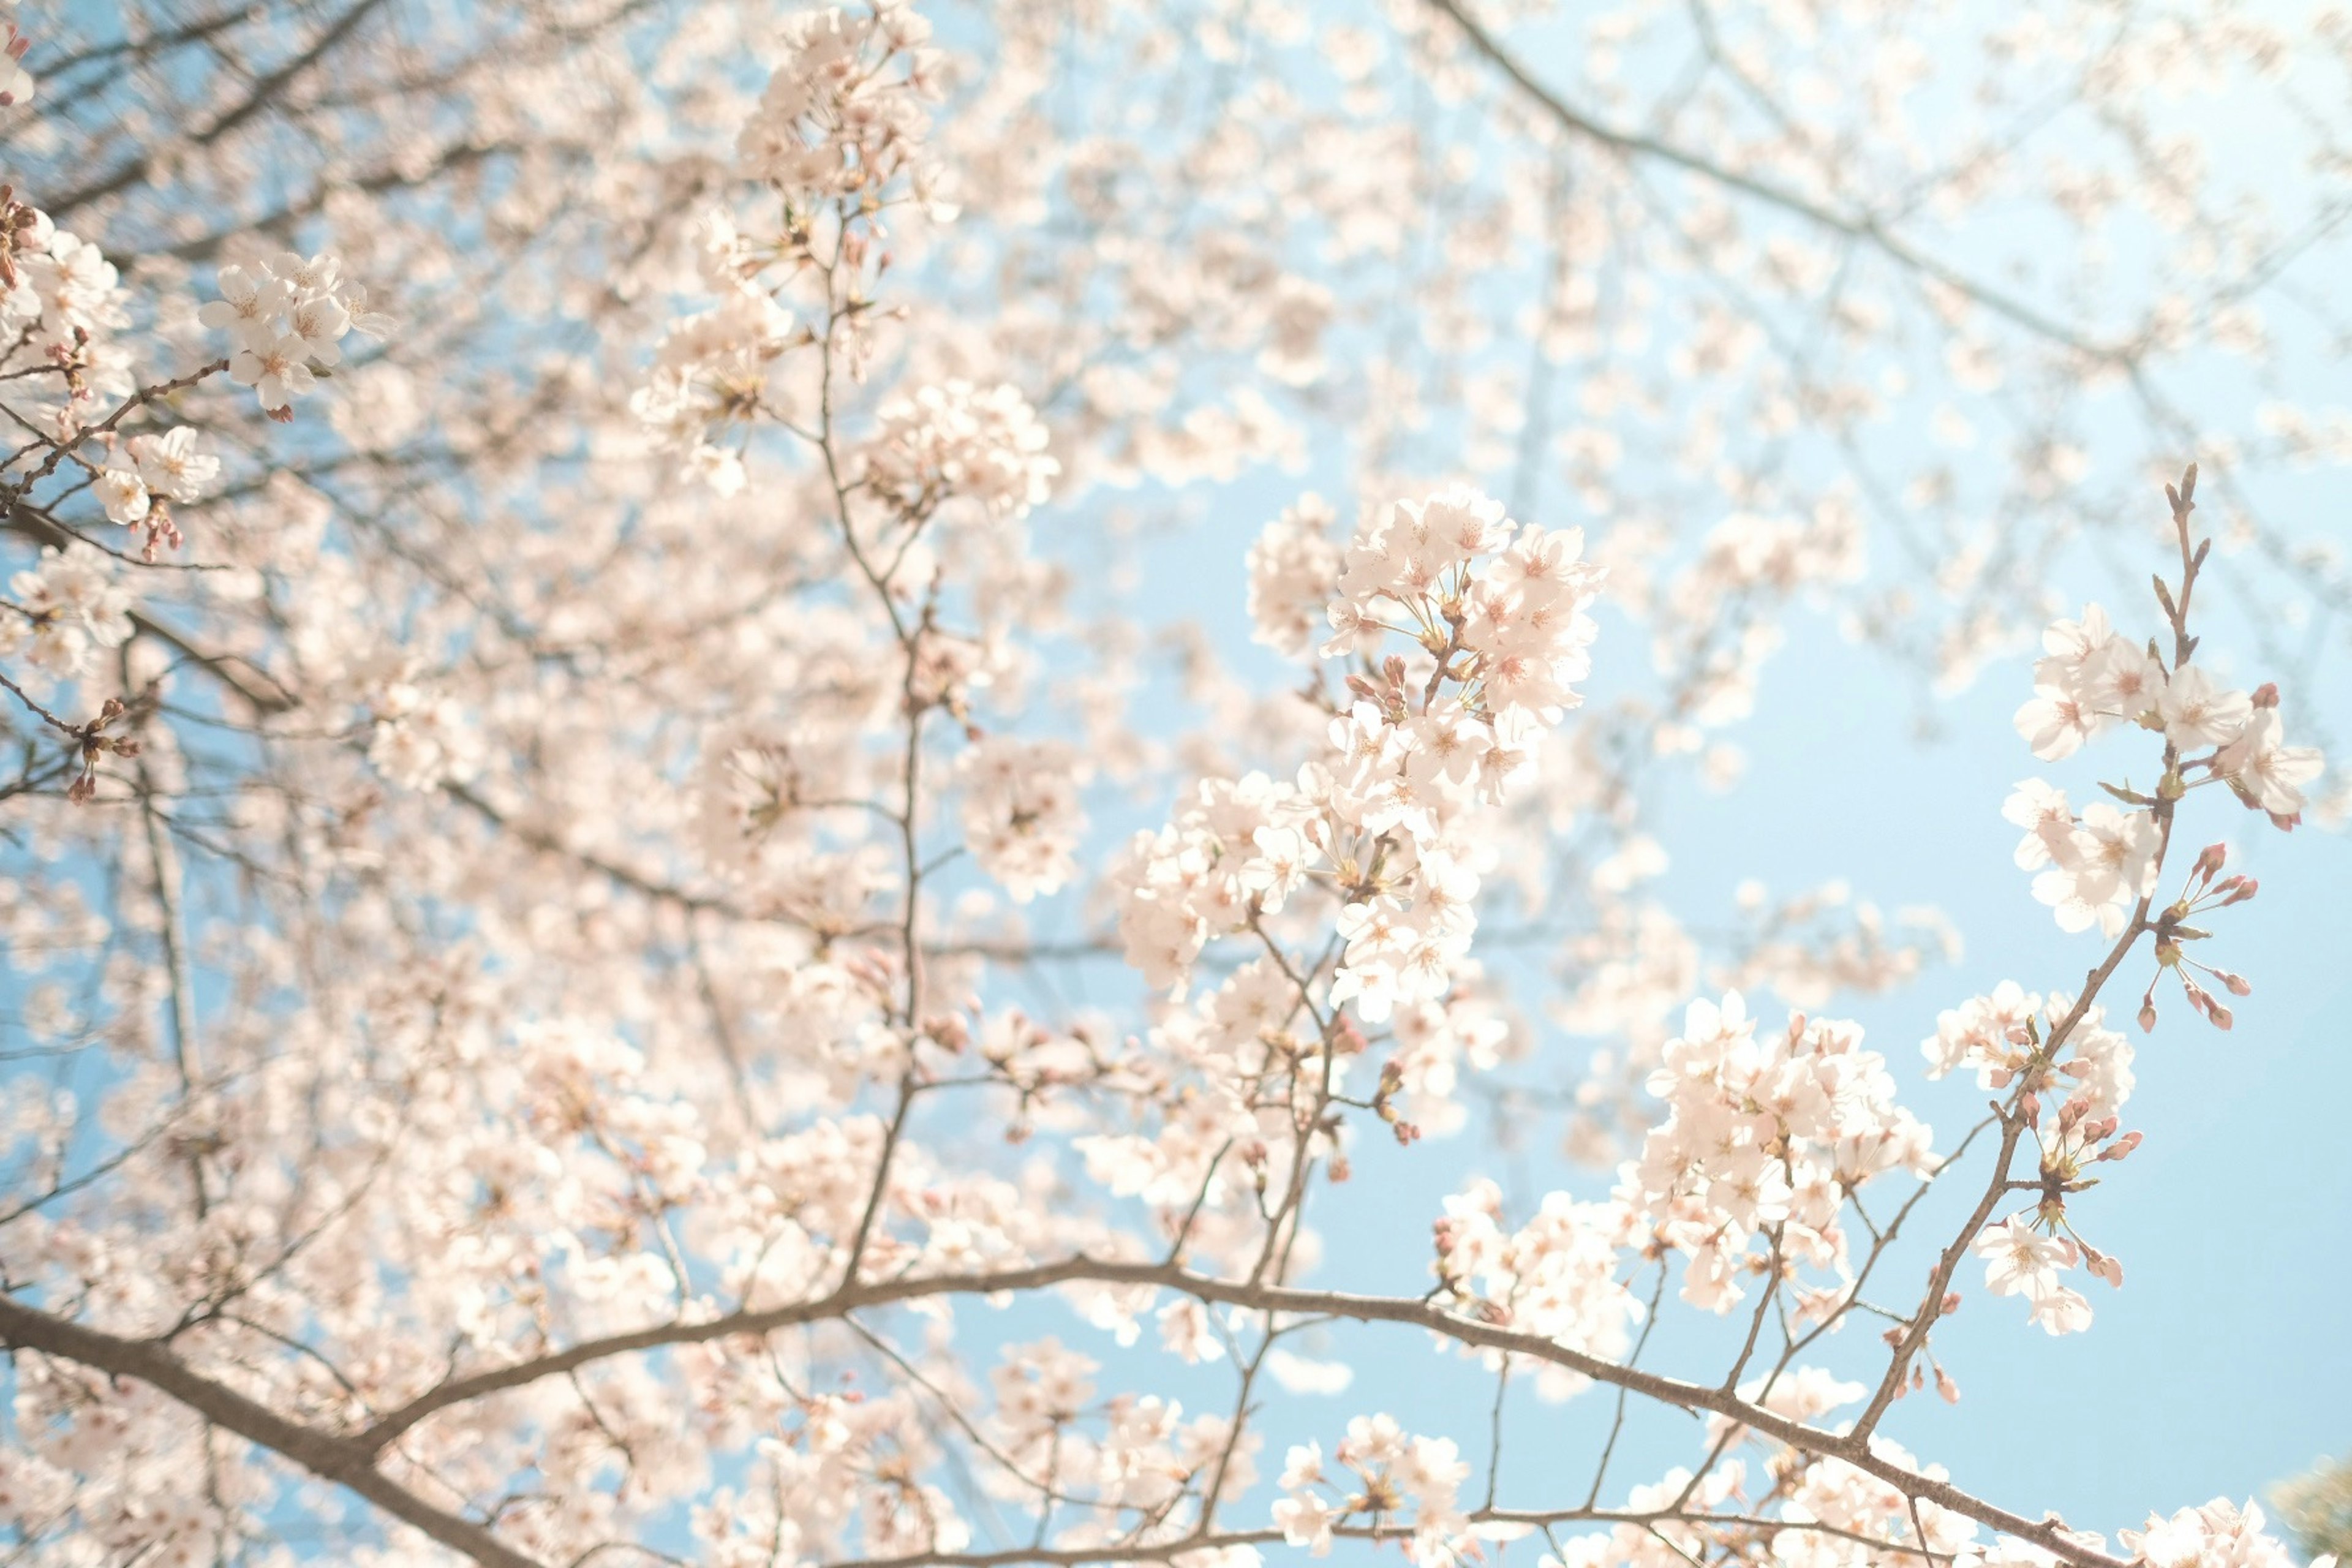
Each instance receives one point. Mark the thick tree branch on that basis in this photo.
(1262, 1297)
(343, 1460)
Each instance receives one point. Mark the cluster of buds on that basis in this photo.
(2202, 891)
(94, 742)
(2081, 1139)
(1947, 1389)
(1384, 1103)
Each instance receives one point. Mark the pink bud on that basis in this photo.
(2266, 695)
(2148, 1017)
(2245, 889)
(1947, 1387)
(2210, 858)
(2238, 984)
(2222, 1017)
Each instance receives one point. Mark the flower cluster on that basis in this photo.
(59, 285)
(2022, 1261)
(1386, 1474)
(1764, 1138)
(2092, 680)
(953, 439)
(61, 304)
(2221, 1535)
(288, 318)
(1556, 1276)
(2000, 1036)
(1021, 815)
(1124, 1452)
(1667, 1543)
(2100, 865)
(2007, 1037)
(1385, 819)
(1294, 568)
(1243, 846)
(844, 114)
(1499, 615)
(62, 610)
(2094, 868)
(162, 469)
(421, 738)
(1500, 608)
(711, 373)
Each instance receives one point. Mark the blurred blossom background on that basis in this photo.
(1859, 340)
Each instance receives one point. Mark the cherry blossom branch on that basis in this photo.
(26, 1328)
(330, 1458)
(60, 450)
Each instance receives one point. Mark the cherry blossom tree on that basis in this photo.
(630, 934)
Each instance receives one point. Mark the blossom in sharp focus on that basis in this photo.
(276, 374)
(2264, 769)
(2020, 1260)
(171, 466)
(120, 491)
(2199, 712)
(249, 308)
